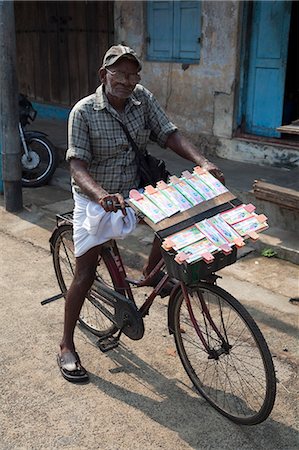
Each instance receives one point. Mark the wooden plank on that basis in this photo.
(289, 129)
(189, 213)
(285, 197)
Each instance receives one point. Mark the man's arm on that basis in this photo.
(92, 189)
(183, 147)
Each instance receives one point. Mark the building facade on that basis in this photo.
(226, 72)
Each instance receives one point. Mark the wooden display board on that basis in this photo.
(181, 220)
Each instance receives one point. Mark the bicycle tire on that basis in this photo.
(90, 317)
(241, 383)
(45, 165)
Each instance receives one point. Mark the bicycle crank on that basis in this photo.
(126, 316)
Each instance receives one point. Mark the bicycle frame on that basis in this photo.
(126, 283)
(144, 309)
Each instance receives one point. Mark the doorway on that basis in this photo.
(291, 96)
(271, 85)
(60, 46)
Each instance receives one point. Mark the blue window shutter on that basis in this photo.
(187, 30)
(160, 30)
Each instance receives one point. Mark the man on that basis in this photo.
(103, 169)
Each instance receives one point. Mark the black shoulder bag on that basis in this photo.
(151, 169)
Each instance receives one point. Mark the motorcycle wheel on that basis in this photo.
(39, 167)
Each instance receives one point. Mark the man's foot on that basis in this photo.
(71, 369)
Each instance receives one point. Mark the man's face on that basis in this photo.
(121, 78)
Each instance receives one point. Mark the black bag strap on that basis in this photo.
(131, 140)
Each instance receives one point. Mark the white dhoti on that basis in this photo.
(93, 225)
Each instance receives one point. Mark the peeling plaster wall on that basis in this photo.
(200, 99)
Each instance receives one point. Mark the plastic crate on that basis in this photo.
(192, 273)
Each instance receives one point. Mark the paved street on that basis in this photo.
(139, 396)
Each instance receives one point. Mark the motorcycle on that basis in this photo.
(38, 155)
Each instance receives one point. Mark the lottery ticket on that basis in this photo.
(174, 195)
(147, 207)
(213, 235)
(202, 249)
(238, 214)
(183, 238)
(210, 181)
(251, 226)
(226, 230)
(186, 190)
(204, 190)
(161, 201)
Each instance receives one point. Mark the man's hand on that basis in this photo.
(214, 170)
(113, 202)
(183, 147)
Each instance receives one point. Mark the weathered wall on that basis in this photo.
(199, 99)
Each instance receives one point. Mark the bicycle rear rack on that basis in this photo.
(68, 216)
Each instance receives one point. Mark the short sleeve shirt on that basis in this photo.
(96, 136)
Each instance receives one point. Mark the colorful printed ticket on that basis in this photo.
(183, 238)
(146, 206)
(226, 230)
(250, 227)
(187, 191)
(210, 181)
(213, 235)
(202, 249)
(238, 214)
(161, 201)
(205, 191)
(174, 195)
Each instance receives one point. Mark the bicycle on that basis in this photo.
(219, 344)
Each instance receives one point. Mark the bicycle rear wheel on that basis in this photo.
(64, 263)
(237, 375)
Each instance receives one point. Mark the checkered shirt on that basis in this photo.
(95, 136)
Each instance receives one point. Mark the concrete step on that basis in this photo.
(284, 243)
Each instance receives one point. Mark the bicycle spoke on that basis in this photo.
(232, 376)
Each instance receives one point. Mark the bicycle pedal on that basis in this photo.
(107, 343)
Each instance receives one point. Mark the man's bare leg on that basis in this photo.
(82, 282)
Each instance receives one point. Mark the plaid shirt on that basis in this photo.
(95, 136)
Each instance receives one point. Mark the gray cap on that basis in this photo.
(119, 51)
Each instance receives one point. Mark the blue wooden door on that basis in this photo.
(267, 66)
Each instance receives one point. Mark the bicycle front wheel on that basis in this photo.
(64, 263)
(234, 372)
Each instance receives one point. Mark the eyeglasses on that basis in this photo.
(122, 77)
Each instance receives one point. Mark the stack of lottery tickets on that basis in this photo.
(218, 233)
(202, 240)
(166, 199)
